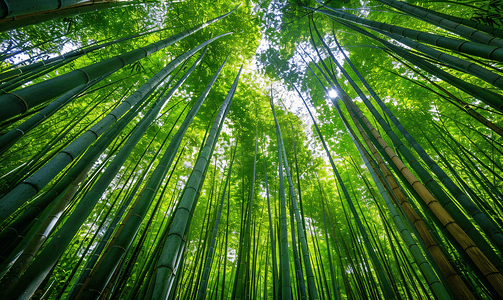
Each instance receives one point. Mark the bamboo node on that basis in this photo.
(87, 75)
(471, 246)
(120, 247)
(428, 181)
(123, 61)
(94, 291)
(466, 42)
(32, 185)
(165, 266)
(434, 282)
(22, 101)
(22, 132)
(67, 153)
(176, 233)
(146, 53)
(13, 229)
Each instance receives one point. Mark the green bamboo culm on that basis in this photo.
(453, 210)
(483, 261)
(470, 23)
(485, 95)
(385, 285)
(21, 193)
(88, 158)
(113, 257)
(9, 138)
(37, 235)
(12, 8)
(332, 273)
(201, 293)
(271, 236)
(91, 262)
(454, 62)
(285, 277)
(51, 253)
(445, 23)
(69, 56)
(22, 100)
(426, 268)
(313, 294)
(38, 72)
(476, 49)
(492, 232)
(167, 265)
(244, 262)
(13, 23)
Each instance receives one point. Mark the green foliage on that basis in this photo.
(468, 151)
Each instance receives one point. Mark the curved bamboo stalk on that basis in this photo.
(456, 63)
(27, 77)
(492, 232)
(474, 252)
(34, 183)
(88, 158)
(244, 264)
(69, 56)
(271, 236)
(463, 106)
(169, 260)
(49, 256)
(22, 100)
(209, 257)
(285, 279)
(111, 228)
(13, 8)
(36, 18)
(476, 49)
(125, 238)
(488, 97)
(434, 282)
(479, 26)
(313, 294)
(447, 269)
(386, 287)
(456, 27)
(9, 138)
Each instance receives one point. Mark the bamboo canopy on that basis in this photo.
(256, 150)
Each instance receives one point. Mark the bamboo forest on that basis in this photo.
(251, 149)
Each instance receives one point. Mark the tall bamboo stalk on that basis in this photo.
(22, 100)
(476, 49)
(169, 260)
(49, 256)
(36, 18)
(492, 232)
(112, 259)
(243, 266)
(285, 279)
(34, 183)
(313, 294)
(445, 23)
(68, 56)
(271, 237)
(474, 252)
(209, 257)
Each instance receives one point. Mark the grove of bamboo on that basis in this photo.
(255, 150)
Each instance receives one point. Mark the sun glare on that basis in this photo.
(332, 93)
